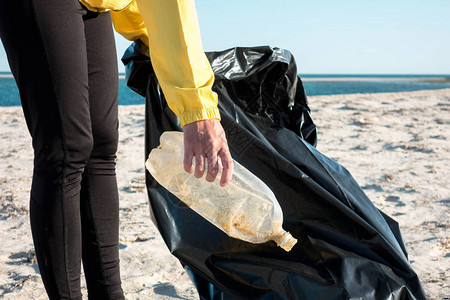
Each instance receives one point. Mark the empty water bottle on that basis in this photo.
(245, 209)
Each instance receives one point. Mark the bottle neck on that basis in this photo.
(285, 240)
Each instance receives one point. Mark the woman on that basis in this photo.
(63, 58)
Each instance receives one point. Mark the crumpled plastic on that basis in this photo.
(347, 248)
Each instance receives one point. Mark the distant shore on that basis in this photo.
(443, 79)
(426, 79)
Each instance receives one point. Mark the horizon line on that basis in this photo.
(330, 74)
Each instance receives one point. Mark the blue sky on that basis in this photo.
(329, 36)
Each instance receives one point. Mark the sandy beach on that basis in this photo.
(396, 145)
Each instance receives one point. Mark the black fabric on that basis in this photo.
(64, 62)
(346, 247)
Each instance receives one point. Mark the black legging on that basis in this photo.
(64, 61)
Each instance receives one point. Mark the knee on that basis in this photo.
(103, 156)
(105, 140)
(55, 154)
(79, 150)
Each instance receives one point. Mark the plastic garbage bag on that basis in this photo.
(347, 248)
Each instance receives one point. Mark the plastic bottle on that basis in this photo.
(245, 209)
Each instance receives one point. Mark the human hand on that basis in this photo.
(206, 141)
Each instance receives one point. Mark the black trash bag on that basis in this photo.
(346, 247)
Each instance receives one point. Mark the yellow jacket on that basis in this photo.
(170, 29)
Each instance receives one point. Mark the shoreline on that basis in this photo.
(309, 96)
(424, 79)
(442, 79)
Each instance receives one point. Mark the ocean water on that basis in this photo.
(412, 76)
(9, 94)
(313, 88)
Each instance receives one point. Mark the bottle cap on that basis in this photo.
(288, 242)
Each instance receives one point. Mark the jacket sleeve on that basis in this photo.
(128, 22)
(176, 52)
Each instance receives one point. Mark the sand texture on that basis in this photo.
(396, 145)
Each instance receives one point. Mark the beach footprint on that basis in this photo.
(8, 206)
(136, 185)
(22, 258)
(166, 289)
(395, 199)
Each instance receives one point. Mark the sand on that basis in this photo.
(396, 145)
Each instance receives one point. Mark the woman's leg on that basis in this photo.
(46, 46)
(99, 196)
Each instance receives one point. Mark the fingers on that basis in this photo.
(213, 167)
(227, 164)
(199, 166)
(206, 141)
(187, 161)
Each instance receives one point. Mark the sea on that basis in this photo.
(314, 84)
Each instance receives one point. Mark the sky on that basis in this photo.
(329, 36)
